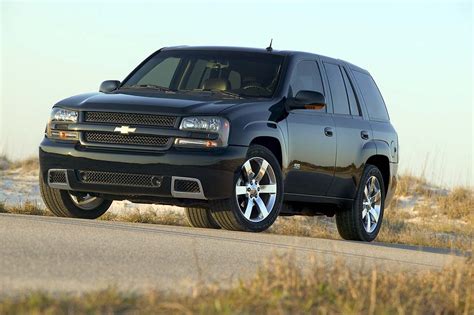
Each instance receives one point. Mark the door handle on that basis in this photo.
(328, 131)
(364, 134)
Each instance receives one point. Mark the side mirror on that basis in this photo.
(307, 100)
(109, 86)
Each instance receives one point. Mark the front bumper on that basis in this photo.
(214, 169)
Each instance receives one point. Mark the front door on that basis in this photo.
(312, 152)
(311, 138)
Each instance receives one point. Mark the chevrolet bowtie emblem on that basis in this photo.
(125, 130)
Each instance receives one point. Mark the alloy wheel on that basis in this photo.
(256, 189)
(86, 201)
(371, 204)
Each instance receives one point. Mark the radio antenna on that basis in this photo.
(269, 48)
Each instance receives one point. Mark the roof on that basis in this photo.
(258, 50)
(227, 48)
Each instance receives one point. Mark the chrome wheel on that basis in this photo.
(86, 201)
(256, 189)
(371, 204)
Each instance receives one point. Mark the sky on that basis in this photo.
(419, 52)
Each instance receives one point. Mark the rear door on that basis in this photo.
(353, 131)
(312, 140)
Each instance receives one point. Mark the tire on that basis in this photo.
(351, 223)
(200, 218)
(243, 211)
(62, 204)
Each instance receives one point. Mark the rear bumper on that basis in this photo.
(214, 170)
(392, 185)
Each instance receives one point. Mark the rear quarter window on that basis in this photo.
(372, 97)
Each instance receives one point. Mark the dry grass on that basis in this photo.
(399, 231)
(409, 185)
(28, 207)
(458, 204)
(427, 224)
(148, 216)
(279, 287)
(27, 165)
(420, 214)
(320, 227)
(4, 162)
(394, 230)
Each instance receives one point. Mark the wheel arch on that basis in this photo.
(382, 162)
(272, 144)
(265, 133)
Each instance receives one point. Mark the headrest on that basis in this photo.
(216, 84)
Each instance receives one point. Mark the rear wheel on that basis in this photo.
(257, 197)
(63, 203)
(362, 222)
(200, 218)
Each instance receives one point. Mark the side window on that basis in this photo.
(306, 77)
(372, 97)
(162, 73)
(338, 89)
(351, 95)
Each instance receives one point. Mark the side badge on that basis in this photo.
(297, 166)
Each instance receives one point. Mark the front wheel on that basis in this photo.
(200, 218)
(257, 195)
(362, 222)
(63, 203)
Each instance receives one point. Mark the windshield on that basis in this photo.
(224, 73)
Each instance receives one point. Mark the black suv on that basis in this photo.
(237, 136)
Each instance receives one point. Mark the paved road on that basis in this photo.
(59, 254)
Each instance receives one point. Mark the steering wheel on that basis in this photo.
(258, 87)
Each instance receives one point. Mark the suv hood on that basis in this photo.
(177, 104)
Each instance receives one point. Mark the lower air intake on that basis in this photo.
(120, 179)
(57, 176)
(186, 186)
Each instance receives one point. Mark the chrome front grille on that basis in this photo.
(120, 179)
(161, 121)
(93, 137)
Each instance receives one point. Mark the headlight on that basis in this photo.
(217, 126)
(211, 124)
(65, 115)
(58, 124)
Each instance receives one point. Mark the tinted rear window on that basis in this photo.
(338, 89)
(372, 97)
(350, 93)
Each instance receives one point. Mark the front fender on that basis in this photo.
(256, 129)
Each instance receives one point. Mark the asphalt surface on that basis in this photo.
(71, 255)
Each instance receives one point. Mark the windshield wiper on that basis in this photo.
(223, 92)
(149, 86)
